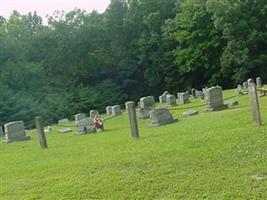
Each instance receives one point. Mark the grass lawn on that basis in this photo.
(209, 156)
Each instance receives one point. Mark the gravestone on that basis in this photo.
(245, 85)
(116, 110)
(65, 130)
(190, 113)
(193, 93)
(15, 131)
(85, 126)
(79, 116)
(184, 98)
(231, 103)
(143, 113)
(161, 117)
(214, 99)
(178, 97)
(109, 110)
(63, 121)
(93, 113)
(1, 131)
(259, 82)
(163, 97)
(239, 90)
(250, 81)
(171, 100)
(147, 102)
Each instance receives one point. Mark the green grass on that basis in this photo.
(209, 156)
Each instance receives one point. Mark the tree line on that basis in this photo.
(81, 61)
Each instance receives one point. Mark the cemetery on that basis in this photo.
(189, 151)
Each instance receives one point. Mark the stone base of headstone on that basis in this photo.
(143, 113)
(6, 140)
(209, 109)
(65, 130)
(160, 117)
(190, 113)
(231, 103)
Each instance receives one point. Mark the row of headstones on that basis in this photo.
(243, 88)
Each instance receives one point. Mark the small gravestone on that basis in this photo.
(245, 85)
(184, 98)
(171, 100)
(63, 121)
(109, 110)
(259, 82)
(143, 113)
(190, 113)
(93, 113)
(116, 110)
(85, 126)
(250, 81)
(65, 130)
(15, 131)
(147, 102)
(239, 90)
(79, 116)
(231, 103)
(214, 99)
(193, 93)
(1, 131)
(163, 97)
(161, 117)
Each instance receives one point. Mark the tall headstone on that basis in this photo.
(214, 99)
(93, 113)
(250, 81)
(171, 100)
(79, 117)
(159, 117)
(184, 98)
(85, 126)
(132, 119)
(15, 131)
(259, 82)
(116, 110)
(40, 132)
(254, 102)
(109, 110)
(163, 97)
(147, 102)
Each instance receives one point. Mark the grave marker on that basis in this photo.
(254, 102)
(214, 99)
(116, 110)
(132, 119)
(160, 117)
(15, 131)
(40, 132)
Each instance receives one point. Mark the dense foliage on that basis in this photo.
(82, 61)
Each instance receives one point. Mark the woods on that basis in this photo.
(82, 61)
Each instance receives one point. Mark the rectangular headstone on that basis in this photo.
(171, 100)
(79, 116)
(15, 131)
(116, 110)
(85, 126)
(109, 110)
(65, 130)
(160, 117)
(63, 121)
(259, 82)
(214, 99)
(147, 102)
(184, 98)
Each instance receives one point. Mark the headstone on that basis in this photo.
(214, 99)
(143, 113)
(162, 98)
(171, 100)
(85, 126)
(161, 117)
(1, 131)
(259, 82)
(193, 93)
(65, 130)
(132, 119)
(178, 97)
(79, 116)
(40, 132)
(239, 90)
(63, 121)
(15, 131)
(109, 110)
(184, 98)
(93, 113)
(116, 110)
(190, 113)
(250, 81)
(147, 102)
(254, 103)
(231, 103)
(245, 85)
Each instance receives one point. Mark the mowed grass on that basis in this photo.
(209, 156)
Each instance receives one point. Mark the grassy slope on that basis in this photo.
(209, 156)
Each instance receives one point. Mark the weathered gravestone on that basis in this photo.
(93, 113)
(250, 81)
(143, 113)
(171, 100)
(116, 110)
(147, 102)
(63, 121)
(15, 131)
(109, 110)
(85, 126)
(162, 98)
(245, 85)
(259, 82)
(1, 131)
(214, 99)
(190, 113)
(79, 116)
(231, 103)
(184, 98)
(193, 93)
(239, 90)
(161, 117)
